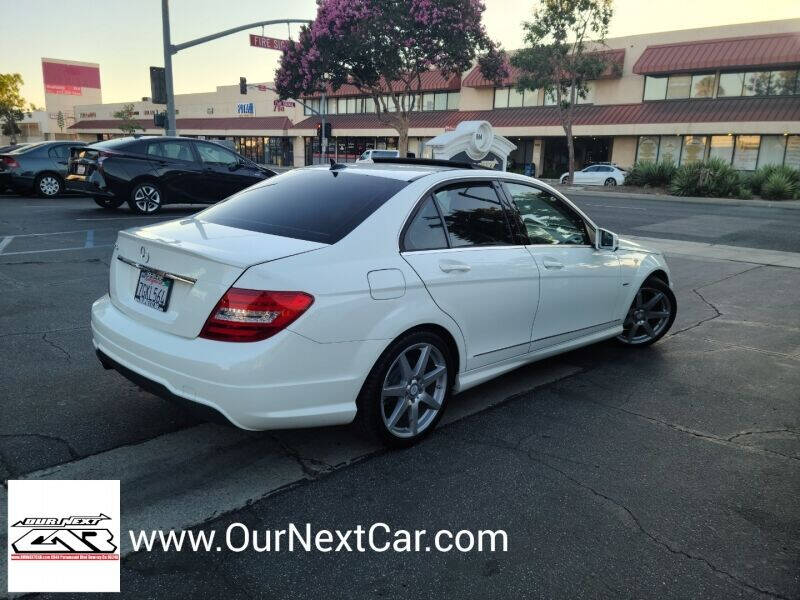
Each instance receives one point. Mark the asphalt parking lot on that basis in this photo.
(670, 472)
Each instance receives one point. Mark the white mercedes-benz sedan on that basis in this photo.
(368, 294)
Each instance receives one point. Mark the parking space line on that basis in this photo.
(19, 235)
(4, 254)
(119, 218)
(5, 242)
(89, 239)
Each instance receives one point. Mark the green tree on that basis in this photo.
(383, 48)
(561, 57)
(11, 104)
(60, 120)
(129, 124)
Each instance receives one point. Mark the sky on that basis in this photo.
(124, 36)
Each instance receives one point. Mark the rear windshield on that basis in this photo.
(318, 205)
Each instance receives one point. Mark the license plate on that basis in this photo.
(80, 169)
(153, 290)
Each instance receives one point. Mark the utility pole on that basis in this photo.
(169, 50)
(169, 118)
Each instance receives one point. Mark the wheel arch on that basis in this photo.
(660, 274)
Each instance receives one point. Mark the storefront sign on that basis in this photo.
(246, 108)
(280, 105)
(69, 90)
(648, 149)
(259, 41)
(670, 149)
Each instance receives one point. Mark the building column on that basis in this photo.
(299, 151)
(538, 155)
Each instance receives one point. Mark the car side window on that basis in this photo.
(58, 152)
(426, 230)
(547, 219)
(591, 169)
(473, 215)
(217, 155)
(175, 149)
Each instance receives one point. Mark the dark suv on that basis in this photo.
(149, 172)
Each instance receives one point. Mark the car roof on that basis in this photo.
(390, 171)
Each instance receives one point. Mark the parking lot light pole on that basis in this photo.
(169, 50)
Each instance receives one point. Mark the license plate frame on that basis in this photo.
(153, 289)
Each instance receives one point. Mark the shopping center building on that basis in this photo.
(731, 92)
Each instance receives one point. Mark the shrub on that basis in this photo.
(760, 176)
(779, 186)
(650, 174)
(712, 177)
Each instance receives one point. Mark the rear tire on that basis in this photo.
(406, 392)
(48, 185)
(108, 203)
(610, 182)
(146, 198)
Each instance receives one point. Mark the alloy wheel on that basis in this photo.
(647, 317)
(49, 185)
(147, 198)
(610, 182)
(414, 390)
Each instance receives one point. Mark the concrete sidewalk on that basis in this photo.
(700, 250)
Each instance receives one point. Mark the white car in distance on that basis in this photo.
(368, 293)
(600, 174)
(368, 155)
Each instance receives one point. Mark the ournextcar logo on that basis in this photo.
(67, 538)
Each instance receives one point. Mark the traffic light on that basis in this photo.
(242, 85)
(158, 85)
(319, 131)
(160, 119)
(328, 130)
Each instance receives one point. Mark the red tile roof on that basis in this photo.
(615, 58)
(781, 108)
(213, 124)
(755, 51)
(430, 81)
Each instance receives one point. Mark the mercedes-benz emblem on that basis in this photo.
(144, 254)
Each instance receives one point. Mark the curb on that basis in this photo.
(581, 191)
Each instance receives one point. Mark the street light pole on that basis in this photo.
(169, 50)
(169, 126)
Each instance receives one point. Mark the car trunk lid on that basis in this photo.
(201, 259)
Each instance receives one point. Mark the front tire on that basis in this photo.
(406, 392)
(651, 314)
(48, 185)
(108, 203)
(146, 198)
(565, 180)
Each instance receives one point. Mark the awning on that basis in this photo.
(220, 124)
(429, 81)
(776, 50)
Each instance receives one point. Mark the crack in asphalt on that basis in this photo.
(717, 312)
(73, 454)
(57, 347)
(502, 445)
(311, 467)
(16, 333)
(762, 431)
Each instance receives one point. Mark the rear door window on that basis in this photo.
(473, 215)
(59, 152)
(172, 149)
(317, 204)
(426, 230)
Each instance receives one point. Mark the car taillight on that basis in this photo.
(253, 315)
(11, 162)
(101, 157)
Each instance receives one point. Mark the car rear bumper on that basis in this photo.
(283, 382)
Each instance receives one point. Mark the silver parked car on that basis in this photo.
(39, 167)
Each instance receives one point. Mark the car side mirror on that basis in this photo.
(606, 240)
(235, 166)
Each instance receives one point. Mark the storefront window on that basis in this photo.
(703, 85)
(756, 83)
(332, 106)
(530, 98)
(678, 86)
(730, 84)
(647, 150)
(550, 98)
(792, 156)
(351, 105)
(694, 149)
(428, 101)
(721, 147)
(453, 99)
(369, 105)
(341, 106)
(655, 88)
(440, 101)
(588, 98)
(772, 150)
(670, 149)
(783, 83)
(745, 152)
(514, 98)
(501, 97)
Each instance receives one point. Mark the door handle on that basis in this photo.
(551, 263)
(448, 266)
